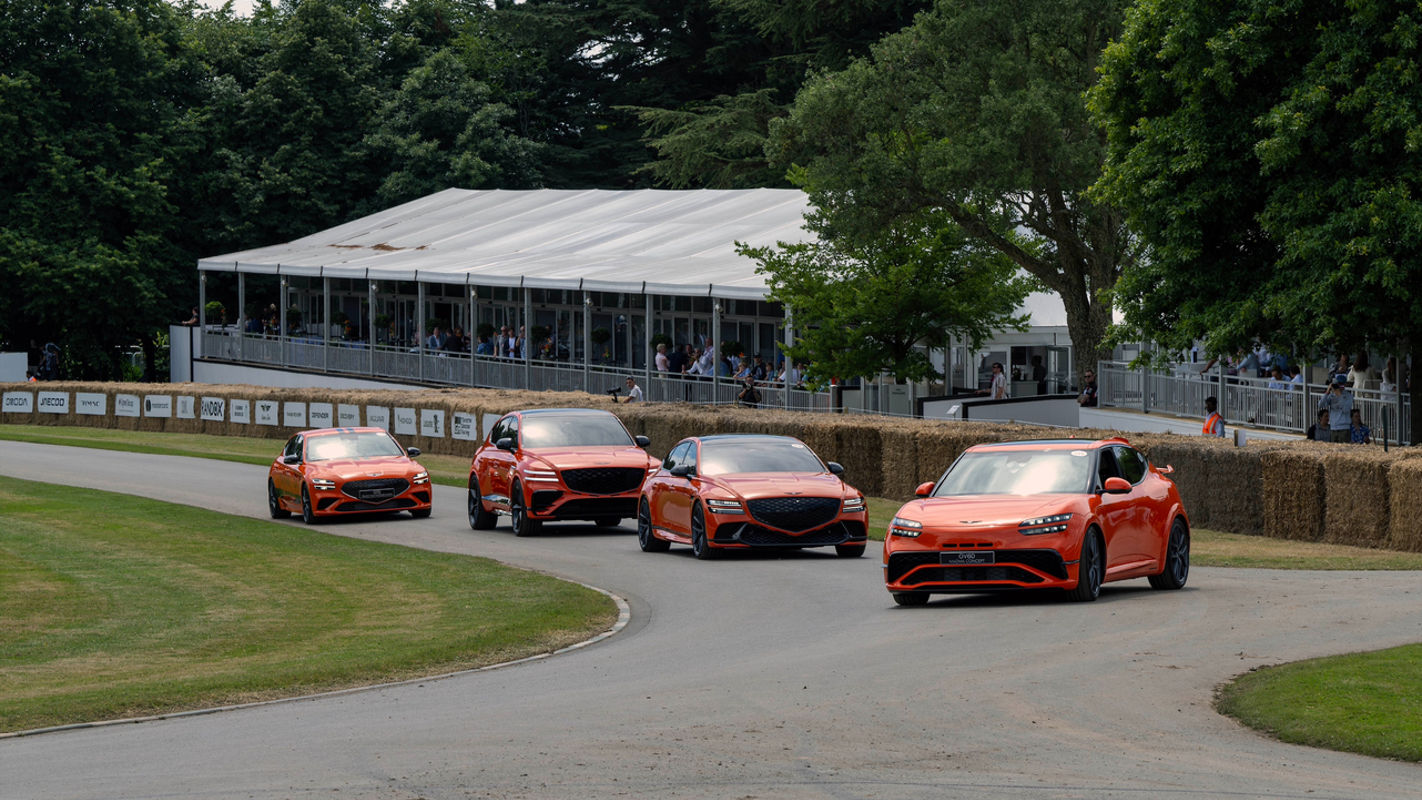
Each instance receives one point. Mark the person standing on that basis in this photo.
(1087, 398)
(1214, 423)
(663, 363)
(1338, 401)
(998, 389)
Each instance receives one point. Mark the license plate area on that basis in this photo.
(376, 495)
(968, 558)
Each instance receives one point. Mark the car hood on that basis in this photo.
(985, 509)
(357, 468)
(752, 485)
(581, 457)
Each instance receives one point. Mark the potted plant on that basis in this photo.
(216, 312)
(599, 337)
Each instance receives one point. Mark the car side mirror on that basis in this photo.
(683, 470)
(924, 489)
(835, 468)
(412, 452)
(1116, 486)
(291, 460)
(641, 441)
(506, 443)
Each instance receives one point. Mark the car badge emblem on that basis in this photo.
(374, 474)
(794, 492)
(970, 522)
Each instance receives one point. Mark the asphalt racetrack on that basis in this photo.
(759, 677)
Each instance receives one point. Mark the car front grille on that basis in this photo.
(376, 490)
(756, 536)
(388, 505)
(604, 480)
(794, 513)
(597, 508)
(1010, 566)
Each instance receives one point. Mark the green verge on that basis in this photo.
(1368, 703)
(117, 606)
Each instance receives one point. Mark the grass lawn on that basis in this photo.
(117, 606)
(1369, 703)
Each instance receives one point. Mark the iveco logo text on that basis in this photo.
(53, 402)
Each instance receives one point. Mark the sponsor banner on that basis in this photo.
(321, 415)
(432, 423)
(91, 403)
(405, 421)
(54, 402)
(465, 426)
(214, 408)
(157, 405)
(377, 417)
(126, 405)
(242, 412)
(293, 415)
(187, 407)
(267, 412)
(19, 402)
(348, 415)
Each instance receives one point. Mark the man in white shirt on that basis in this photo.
(634, 392)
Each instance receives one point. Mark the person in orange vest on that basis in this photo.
(1214, 423)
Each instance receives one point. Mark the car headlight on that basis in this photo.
(541, 475)
(323, 483)
(909, 528)
(853, 505)
(1055, 523)
(724, 506)
(421, 477)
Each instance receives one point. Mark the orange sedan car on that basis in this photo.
(334, 472)
(743, 491)
(1058, 514)
(558, 464)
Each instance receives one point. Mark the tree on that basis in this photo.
(1268, 153)
(976, 111)
(865, 308)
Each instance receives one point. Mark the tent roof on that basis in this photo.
(667, 242)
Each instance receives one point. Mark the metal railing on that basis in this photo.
(1244, 400)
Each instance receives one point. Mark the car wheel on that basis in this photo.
(608, 522)
(522, 525)
(1177, 559)
(308, 514)
(274, 502)
(1091, 569)
(420, 513)
(479, 519)
(911, 598)
(647, 540)
(849, 550)
(700, 548)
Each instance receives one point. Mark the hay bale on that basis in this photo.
(1191, 464)
(1404, 483)
(899, 462)
(1294, 500)
(1356, 505)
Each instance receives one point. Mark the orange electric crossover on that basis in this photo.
(743, 491)
(1058, 514)
(556, 464)
(334, 472)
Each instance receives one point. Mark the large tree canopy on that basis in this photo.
(977, 111)
(1269, 154)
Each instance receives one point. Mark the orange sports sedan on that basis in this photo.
(334, 472)
(1057, 514)
(745, 491)
(557, 464)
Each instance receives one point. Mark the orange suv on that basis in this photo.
(557, 464)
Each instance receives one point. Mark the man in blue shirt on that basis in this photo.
(1339, 404)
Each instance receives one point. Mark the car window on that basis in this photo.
(574, 430)
(1017, 472)
(511, 429)
(1133, 464)
(690, 455)
(293, 447)
(1106, 466)
(677, 455)
(362, 444)
(755, 454)
(500, 430)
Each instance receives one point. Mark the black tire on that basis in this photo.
(608, 522)
(479, 519)
(522, 525)
(849, 550)
(700, 547)
(273, 503)
(308, 514)
(420, 513)
(1091, 569)
(911, 599)
(647, 540)
(1177, 559)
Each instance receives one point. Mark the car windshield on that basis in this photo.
(574, 430)
(730, 456)
(368, 444)
(1018, 472)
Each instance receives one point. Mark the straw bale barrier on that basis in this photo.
(1296, 490)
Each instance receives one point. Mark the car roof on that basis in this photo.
(327, 431)
(565, 411)
(1052, 444)
(721, 437)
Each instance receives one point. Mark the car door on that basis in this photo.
(288, 476)
(665, 495)
(497, 466)
(1148, 498)
(682, 492)
(1115, 511)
